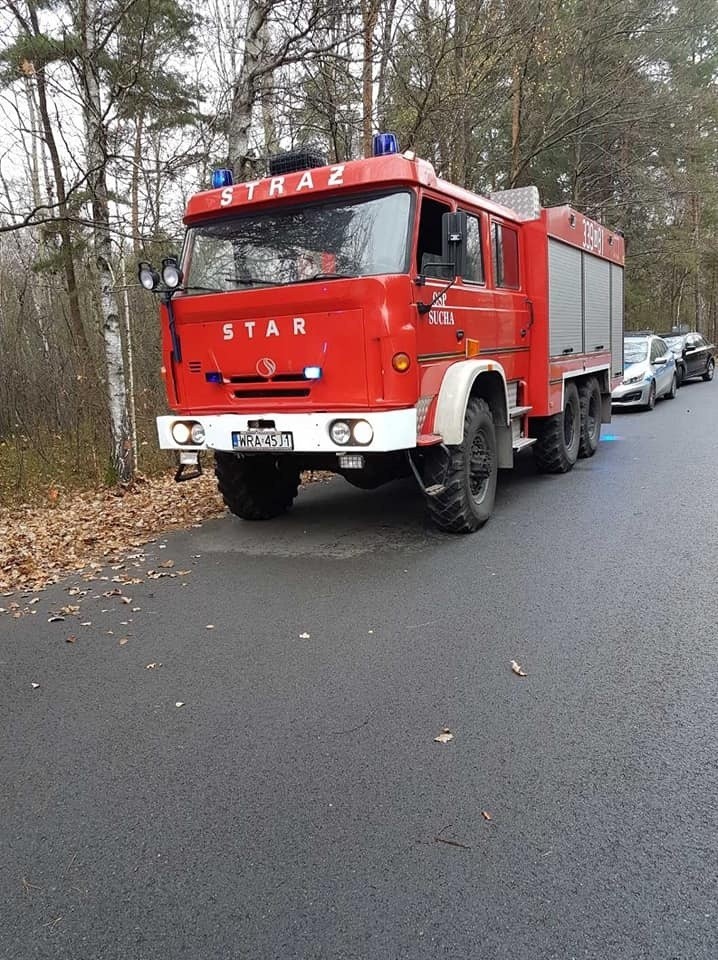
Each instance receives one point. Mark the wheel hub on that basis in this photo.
(479, 466)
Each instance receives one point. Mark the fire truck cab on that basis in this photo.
(372, 319)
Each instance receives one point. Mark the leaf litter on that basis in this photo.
(518, 669)
(83, 531)
(446, 736)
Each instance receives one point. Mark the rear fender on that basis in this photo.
(474, 378)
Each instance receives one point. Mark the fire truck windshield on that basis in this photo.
(362, 236)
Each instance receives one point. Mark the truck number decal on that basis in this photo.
(270, 329)
(592, 237)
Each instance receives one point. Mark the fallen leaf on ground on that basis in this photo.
(166, 563)
(35, 686)
(305, 636)
(179, 703)
(518, 669)
(151, 666)
(210, 626)
(55, 619)
(123, 641)
(70, 639)
(125, 599)
(445, 736)
(486, 815)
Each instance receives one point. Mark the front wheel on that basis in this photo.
(558, 438)
(674, 389)
(468, 478)
(651, 396)
(710, 370)
(256, 487)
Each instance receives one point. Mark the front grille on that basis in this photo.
(277, 378)
(251, 394)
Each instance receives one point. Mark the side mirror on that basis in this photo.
(453, 241)
(660, 361)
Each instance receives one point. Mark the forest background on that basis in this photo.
(113, 111)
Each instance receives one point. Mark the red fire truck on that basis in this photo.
(372, 319)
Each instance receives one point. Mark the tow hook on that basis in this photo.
(190, 466)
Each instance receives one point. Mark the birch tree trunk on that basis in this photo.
(245, 90)
(96, 140)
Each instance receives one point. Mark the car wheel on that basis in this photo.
(674, 388)
(651, 396)
(710, 370)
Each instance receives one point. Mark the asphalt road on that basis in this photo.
(297, 805)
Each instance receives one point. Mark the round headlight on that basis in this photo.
(171, 274)
(363, 432)
(147, 276)
(181, 432)
(340, 432)
(197, 433)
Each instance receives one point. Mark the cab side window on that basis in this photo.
(428, 249)
(474, 269)
(505, 253)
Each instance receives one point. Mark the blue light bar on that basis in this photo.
(385, 143)
(221, 178)
(312, 373)
(213, 376)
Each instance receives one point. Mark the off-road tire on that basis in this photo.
(589, 398)
(557, 438)
(459, 508)
(256, 487)
(651, 396)
(671, 395)
(710, 370)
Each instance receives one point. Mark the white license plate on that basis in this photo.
(262, 440)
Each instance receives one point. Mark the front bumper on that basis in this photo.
(393, 430)
(631, 395)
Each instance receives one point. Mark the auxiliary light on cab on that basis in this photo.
(147, 275)
(171, 273)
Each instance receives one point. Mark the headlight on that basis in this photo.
(363, 433)
(340, 433)
(197, 433)
(637, 379)
(181, 432)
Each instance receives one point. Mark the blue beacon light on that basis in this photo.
(385, 144)
(221, 178)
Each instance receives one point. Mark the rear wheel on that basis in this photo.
(256, 487)
(710, 370)
(469, 477)
(559, 437)
(674, 388)
(589, 395)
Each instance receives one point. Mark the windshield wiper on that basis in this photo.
(247, 281)
(201, 289)
(326, 276)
